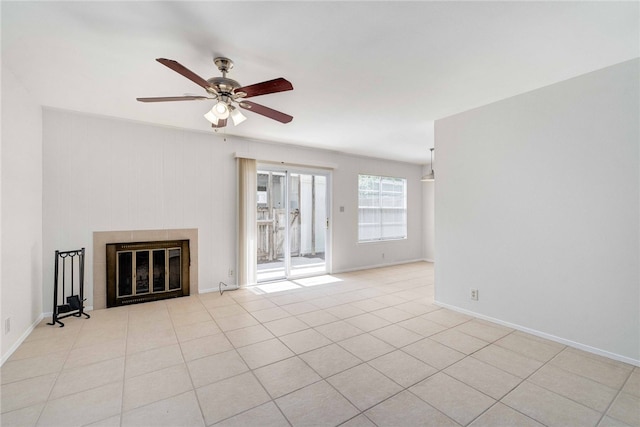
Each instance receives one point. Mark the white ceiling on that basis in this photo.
(369, 77)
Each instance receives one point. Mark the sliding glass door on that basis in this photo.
(292, 220)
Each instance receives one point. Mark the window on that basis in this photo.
(382, 208)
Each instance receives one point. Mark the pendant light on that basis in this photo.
(431, 175)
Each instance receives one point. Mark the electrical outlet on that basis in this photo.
(7, 325)
(474, 294)
(231, 272)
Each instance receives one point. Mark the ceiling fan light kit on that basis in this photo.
(227, 92)
(431, 175)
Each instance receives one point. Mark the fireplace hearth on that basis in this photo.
(139, 272)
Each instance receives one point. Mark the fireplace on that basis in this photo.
(139, 272)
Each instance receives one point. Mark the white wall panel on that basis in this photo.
(537, 206)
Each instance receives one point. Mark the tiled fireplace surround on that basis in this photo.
(101, 238)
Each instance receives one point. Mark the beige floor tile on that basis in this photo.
(607, 421)
(407, 410)
(238, 321)
(508, 361)
(626, 408)
(396, 335)
(369, 305)
(264, 353)
(288, 375)
(266, 415)
(257, 305)
(87, 377)
(417, 309)
(152, 360)
(230, 397)
(149, 341)
(483, 377)
(306, 340)
(25, 417)
(549, 408)
(285, 326)
(608, 374)
(359, 421)
(364, 386)
(480, 329)
(501, 415)
(226, 311)
(345, 311)
(632, 386)
(180, 410)
(390, 300)
(459, 341)
(44, 331)
(181, 319)
(205, 346)
(403, 369)
(392, 314)
(22, 369)
(286, 299)
(325, 302)
(368, 322)
(330, 360)
(298, 308)
(318, 404)
(249, 335)
(433, 353)
(366, 347)
(338, 331)
(270, 314)
(83, 408)
(196, 330)
(25, 393)
(217, 367)
(43, 347)
(530, 346)
(94, 336)
(456, 400)
(213, 300)
(422, 326)
(575, 387)
(446, 317)
(158, 385)
(317, 318)
(107, 422)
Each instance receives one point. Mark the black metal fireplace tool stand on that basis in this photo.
(71, 304)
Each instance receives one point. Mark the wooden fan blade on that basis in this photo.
(173, 98)
(266, 111)
(181, 69)
(221, 123)
(271, 86)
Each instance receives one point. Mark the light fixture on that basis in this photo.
(236, 116)
(220, 110)
(212, 118)
(431, 175)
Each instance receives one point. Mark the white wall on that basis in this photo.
(21, 211)
(537, 206)
(104, 174)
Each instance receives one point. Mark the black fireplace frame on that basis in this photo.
(113, 248)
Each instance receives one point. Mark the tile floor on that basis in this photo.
(366, 348)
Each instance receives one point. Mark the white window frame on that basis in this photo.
(380, 223)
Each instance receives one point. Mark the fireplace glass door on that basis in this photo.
(147, 271)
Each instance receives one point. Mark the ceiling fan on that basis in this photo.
(228, 93)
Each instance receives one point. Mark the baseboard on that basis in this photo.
(229, 287)
(367, 267)
(20, 340)
(544, 335)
